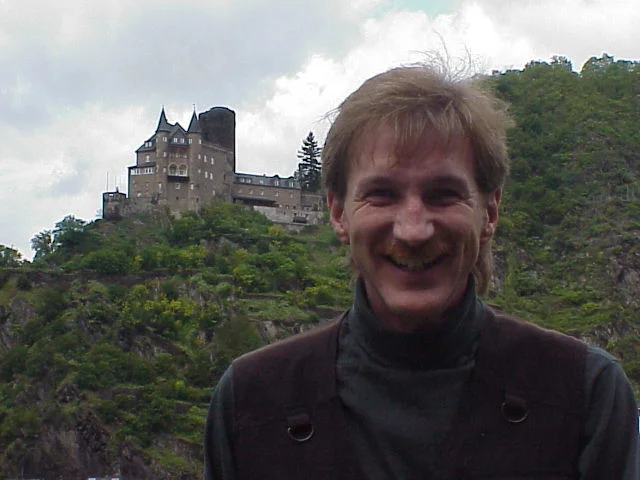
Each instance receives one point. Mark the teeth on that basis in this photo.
(413, 264)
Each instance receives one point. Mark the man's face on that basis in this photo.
(415, 226)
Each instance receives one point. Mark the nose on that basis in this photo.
(413, 224)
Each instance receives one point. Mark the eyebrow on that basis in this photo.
(453, 181)
(373, 181)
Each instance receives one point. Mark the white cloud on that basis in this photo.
(577, 29)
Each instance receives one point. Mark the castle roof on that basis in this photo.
(163, 125)
(194, 124)
(177, 130)
(263, 180)
(148, 145)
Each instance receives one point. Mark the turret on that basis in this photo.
(163, 125)
(194, 125)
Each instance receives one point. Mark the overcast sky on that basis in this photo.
(82, 82)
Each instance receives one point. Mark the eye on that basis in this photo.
(444, 196)
(380, 195)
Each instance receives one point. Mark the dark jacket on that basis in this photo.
(521, 413)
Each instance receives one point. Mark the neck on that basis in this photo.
(418, 349)
(406, 322)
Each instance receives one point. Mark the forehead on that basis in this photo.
(383, 147)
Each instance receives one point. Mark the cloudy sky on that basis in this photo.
(82, 82)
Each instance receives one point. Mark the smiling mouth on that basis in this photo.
(414, 264)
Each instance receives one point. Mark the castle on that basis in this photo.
(183, 170)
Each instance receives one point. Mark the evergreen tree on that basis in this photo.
(309, 169)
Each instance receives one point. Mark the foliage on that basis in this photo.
(568, 226)
(42, 244)
(309, 170)
(9, 257)
(109, 260)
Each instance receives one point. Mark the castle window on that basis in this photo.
(199, 170)
(261, 182)
(199, 156)
(147, 158)
(200, 142)
(276, 183)
(175, 140)
(213, 192)
(191, 186)
(213, 161)
(159, 187)
(250, 192)
(164, 154)
(182, 140)
(262, 193)
(164, 139)
(206, 174)
(177, 187)
(190, 142)
(277, 194)
(291, 195)
(172, 169)
(182, 171)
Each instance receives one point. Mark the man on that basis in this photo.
(420, 379)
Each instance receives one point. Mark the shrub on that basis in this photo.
(23, 283)
(108, 261)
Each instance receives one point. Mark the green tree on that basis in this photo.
(42, 244)
(9, 257)
(309, 168)
(69, 232)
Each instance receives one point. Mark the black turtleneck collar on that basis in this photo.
(449, 347)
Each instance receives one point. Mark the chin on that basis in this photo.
(423, 306)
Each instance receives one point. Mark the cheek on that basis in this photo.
(465, 236)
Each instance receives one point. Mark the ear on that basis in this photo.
(491, 223)
(336, 216)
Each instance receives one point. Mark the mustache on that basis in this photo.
(428, 251)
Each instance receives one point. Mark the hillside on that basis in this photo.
(569, 240)
(111, 340)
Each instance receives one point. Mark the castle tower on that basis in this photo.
(194, 126)
(219, 127)
(160, 137)
(185, 169)
(113, 205)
